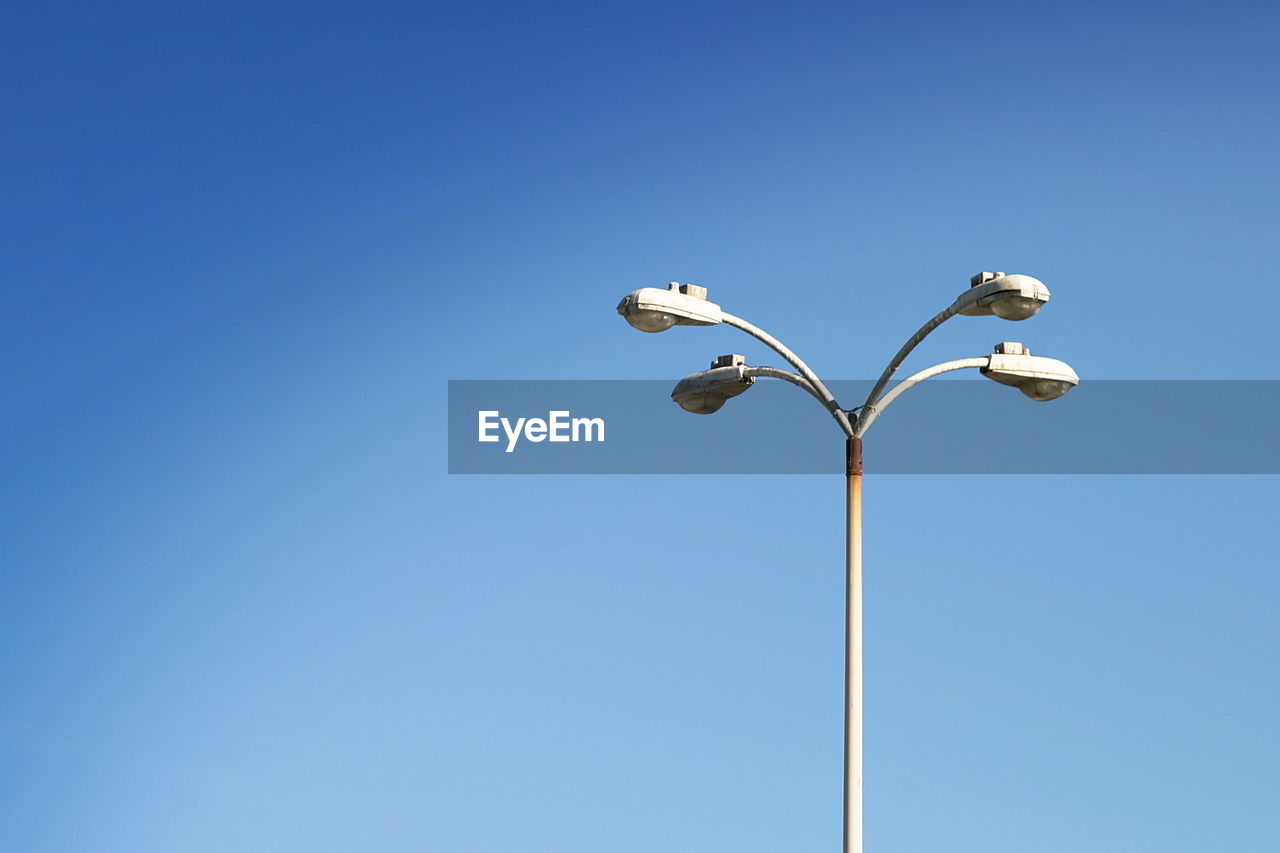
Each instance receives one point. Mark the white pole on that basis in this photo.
(853, 650)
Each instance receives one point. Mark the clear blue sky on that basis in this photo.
(245, 608)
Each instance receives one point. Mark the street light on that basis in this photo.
(651, 309)
(1010, 297)
(706, 391)
(1013, 297)
(1038, 377)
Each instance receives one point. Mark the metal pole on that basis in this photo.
(853, 649)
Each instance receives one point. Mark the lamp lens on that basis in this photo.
(648, 320)
(1015, 307)
(1046, 389)
(701, 404)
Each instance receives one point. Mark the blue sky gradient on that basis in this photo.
(245, 246)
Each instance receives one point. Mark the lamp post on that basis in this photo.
(1011, 297)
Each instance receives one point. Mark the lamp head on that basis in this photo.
(652, 309)
(1013, 297)
(1038, 377)
(706, 391)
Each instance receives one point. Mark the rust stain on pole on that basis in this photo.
(853, 457)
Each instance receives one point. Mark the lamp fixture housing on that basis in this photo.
(1013, 297)
(1038, 377)
(652, 309)
(706, 391)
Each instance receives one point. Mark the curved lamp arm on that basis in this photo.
(870, 413)
(822, 393)
(938, 319)
(787, 376)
